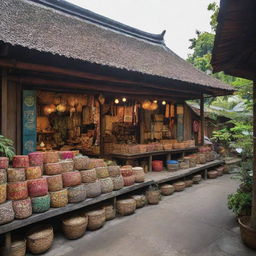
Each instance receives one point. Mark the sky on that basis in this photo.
(180, 18)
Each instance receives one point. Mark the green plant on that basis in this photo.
(6, 147)
(240, 202)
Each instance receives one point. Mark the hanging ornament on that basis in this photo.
(124, 99)
(61, 108)
(116, 101)
(163, 102)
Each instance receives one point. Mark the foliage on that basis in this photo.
(215, 9)
(6, 147)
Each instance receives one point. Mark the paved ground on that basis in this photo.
(195, 222)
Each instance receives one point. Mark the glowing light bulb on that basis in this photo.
(163, 102)
(155, 101)
(116, 101)
(124, 99)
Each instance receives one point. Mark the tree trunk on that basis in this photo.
(253, 217)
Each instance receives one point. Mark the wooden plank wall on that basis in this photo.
(187, 122)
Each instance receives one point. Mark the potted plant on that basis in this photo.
(6, 147)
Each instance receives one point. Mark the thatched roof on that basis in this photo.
(59, 28)
(235, 43)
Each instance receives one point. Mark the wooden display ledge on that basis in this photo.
(150, 155)
(151, 178)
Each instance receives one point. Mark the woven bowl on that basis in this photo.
(106, 185)
(52, 168)
(93, 189)
(51, 157)
(129, 180)
(33, 172)
(6, 212)
(212, 174)
(20, 161)
(16, 174)
(74, 227)
(153, 196)
(59, 198)
(126, 206)
(71, 179)
(102, 172)
(114, 171)
(96, 219)
(37, 187)
(4, 162)
(140, 200)
(67, 165)
(80, 162)
(3, 193)
(179, 186)
(126, 170)
(54, 182)
(3, 176)
(40, 203)
(139, 174)
(22, 208)
(110, 212)
(36, 158)
(40, 239)
(17, 190)
(188, 183)
(76, 194)
(118, 182)
(167, 189)
(88, 176)
(197, 178)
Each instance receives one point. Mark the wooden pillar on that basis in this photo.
(101, 131)
(253, 218)
(141, 124)
(202, 119)
(4, 121)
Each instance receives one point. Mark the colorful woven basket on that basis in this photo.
(106, 185)
(37, 187)
(16, 174)
(167, 189)
(197, 178)
(17, 190)
(212, 174)
(110, 212)
(36, 158)
(54, 182)
(189, 183)
(179, 186)
(52, 168)
(40, 203)
(51, 157)
(140, 200)
(76, 194)
(80, 162)
(139, 174)
(96, 219)
(118, 182)
(102, 172)
(66, 155)
(6, 212)
(20, 161)
(126, 206)
(129, 180)
(126, 170)
(153, 196)
(88, 176)
(3, 176)
(22, 208)
(3, 193)
(59, 198)
(93, 189)
(33, 172)
(71, 178)
(67, 165)
(4, 162)
(114, 171)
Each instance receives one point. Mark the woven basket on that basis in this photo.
(114, 171)
(51, 157)
(18, 247)
(17, 190)
(74, 227)
(139, 174)
(102, 172)
(33, 172)
(153, 196)
(16, 174)
(110, 212)
(93, 163)
(225, 169)
(6, 212)
(20, 161)
(184, 165)
(76, 194)
(3, 176)
(173, 167)
(96, 219)
(4, 162)
(126, 170)
(37, 187)
(54, 182)
(36, 158)
(59, 198)
(167, 189)
(67, 165)
(40, 239)
(212, 174)
(118, 182)
(88, 176)
(66, 155)
(22, 208)
(93, 189)
(220, 170)
(52, 168)
(40, 203)
(126, 206)
(188, 183)
(3, 193)
(140, 200)
(80, 162)
(71, 178)
(197, 178)
(179, 186)
(129, 180)
(201, 158)
(106, 185)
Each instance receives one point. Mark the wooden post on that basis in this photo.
(4, 120)
(202, 118)
(8, 242)
(101, 131)
(141, 124)
(253, 217)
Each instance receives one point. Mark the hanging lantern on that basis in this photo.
(153, 106)
(124, 99)
(79, 108)
(116, 101)
(155, 101)
(146, 104)
(101, 99)
(163, 102)
(61, 108)
(72, 110)
(48, 109)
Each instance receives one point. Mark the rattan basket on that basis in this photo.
(96, 219)
(197, 179)
(75, 226)
(167, 189)
(110, 212)
(126, 206)
(179, 186)
(140, 200)
(189, 183)
(153, 196)
(212, 174)
(40, 239)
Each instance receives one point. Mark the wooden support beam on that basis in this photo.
(101, 132)
(85, 75)
(4, 107)
(97, 87)
(202, 118)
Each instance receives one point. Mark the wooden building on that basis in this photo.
(55, 48)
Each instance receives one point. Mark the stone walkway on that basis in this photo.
(195, 222)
